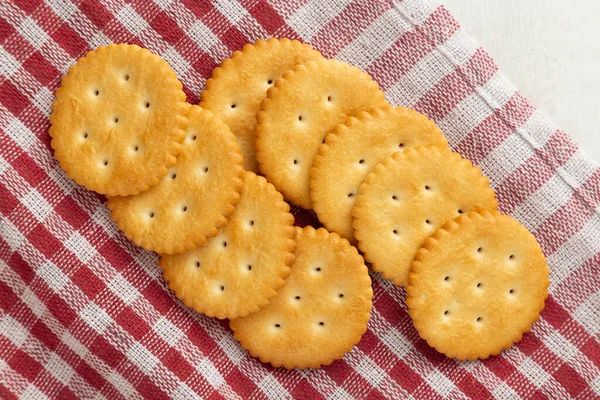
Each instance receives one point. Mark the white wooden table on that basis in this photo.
(550, 50)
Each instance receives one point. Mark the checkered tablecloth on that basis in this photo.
(85, 313)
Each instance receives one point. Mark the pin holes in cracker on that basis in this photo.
(479, 285)
(511, 259)
(338, 295)
(428, 188)
(448, 314)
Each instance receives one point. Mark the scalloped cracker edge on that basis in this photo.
(237, 87)
(300, 328)
(241, 269)
(460, 344)
(195, 199)
(86, 148)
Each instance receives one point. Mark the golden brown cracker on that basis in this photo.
(242, 268)
(114, 129)
(353, 149)
(320, 313)
(194, 199)
(409, 196)
(305, 105)
(237, 87)
(477, 285)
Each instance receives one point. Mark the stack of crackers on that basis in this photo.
(207, 187)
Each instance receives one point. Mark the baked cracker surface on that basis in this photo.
(351, 152)
(237, 87)
(194, 199)
(305, 105)
(114, 129)
(238, 271)
(477, 285)
(409, 196)
(320, 313)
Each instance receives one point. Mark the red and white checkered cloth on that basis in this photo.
(85, 313)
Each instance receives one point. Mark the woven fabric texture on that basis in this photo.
(85, 313)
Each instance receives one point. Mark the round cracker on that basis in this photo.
(237, 87)
(477, 285)
(114, 130)
(240, 270)
(305, 105)
(351, 152)
(194, 199)
(321, 312)
(409, 196)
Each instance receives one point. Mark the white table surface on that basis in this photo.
(550, 50)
